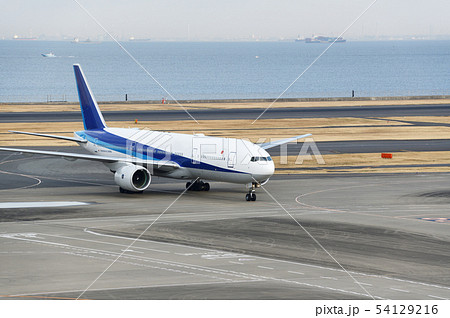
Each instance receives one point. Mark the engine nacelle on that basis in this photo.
(132, 178)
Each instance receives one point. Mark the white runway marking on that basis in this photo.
(132, 251)
(39, 181)
(165, 265)
(188, 269)
(437, 297)
(51, 204)
(265, 267)
(292, 272)
(121, 237)
(302, 264)
(232, 262)
(400, 290)
(333, 278)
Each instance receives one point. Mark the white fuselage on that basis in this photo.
(198, 156)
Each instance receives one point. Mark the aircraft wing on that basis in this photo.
(156, 164)
(50, 136)
(272, 144)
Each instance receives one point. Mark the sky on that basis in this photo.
(202, 20)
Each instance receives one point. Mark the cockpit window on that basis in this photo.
(254, 159)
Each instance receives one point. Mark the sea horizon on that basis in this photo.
(223, 70)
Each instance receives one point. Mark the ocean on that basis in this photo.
(223, 70)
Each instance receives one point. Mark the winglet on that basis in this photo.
(92, 117)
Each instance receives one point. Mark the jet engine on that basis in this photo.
(132, 178)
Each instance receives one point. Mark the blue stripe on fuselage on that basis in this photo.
(142, 151)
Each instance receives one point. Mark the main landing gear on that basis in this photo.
(251, 195)
(197, 186)
(204, 186)
(122, 190)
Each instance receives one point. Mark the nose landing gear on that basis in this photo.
(251, 195)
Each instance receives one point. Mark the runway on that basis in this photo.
(229, 114)
(327, 147)
(363, 237)
(369, 146)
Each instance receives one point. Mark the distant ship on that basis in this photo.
(48, 54)
(16, 37)
(313, 40)
(87, 41)
(338, 40)
(325, 39)
(133, 39)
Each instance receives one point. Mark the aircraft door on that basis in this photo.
(231, 159)
(195, 155)
(232, 153)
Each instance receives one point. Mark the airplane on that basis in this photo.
(135, 155)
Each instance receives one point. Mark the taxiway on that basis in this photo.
(346, 237)
(245, 113)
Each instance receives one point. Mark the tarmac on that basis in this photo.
(309, 237)
(67, 233)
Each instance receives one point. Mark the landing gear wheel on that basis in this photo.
(121, 190)
(251, 195)
(197, 186)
